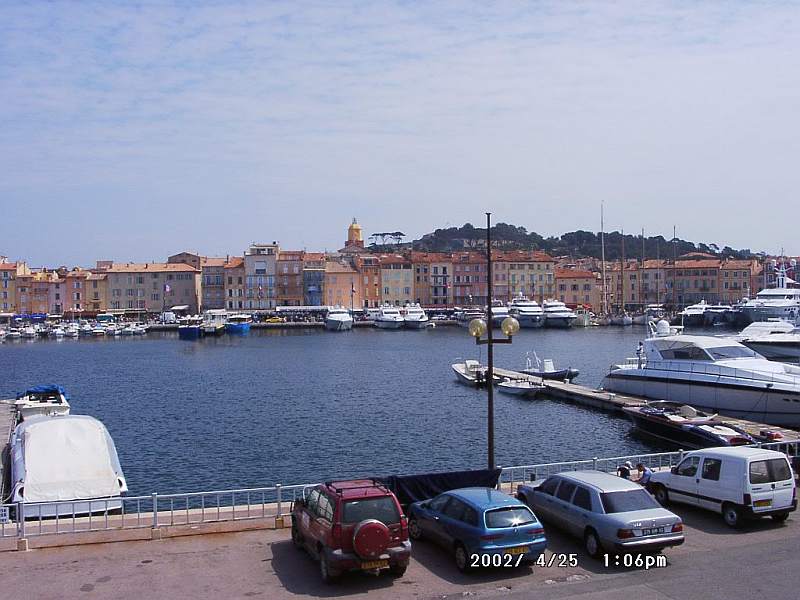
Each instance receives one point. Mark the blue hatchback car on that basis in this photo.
(482, 527)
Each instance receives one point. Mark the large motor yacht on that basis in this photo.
(527, 312)
(499, 312)
(775, 339)
(338, 319)
(556, 314)
(389, 317)
(780, 302)
(415, 317)
(694, 315)
(711, 373)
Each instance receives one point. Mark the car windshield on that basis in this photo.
(619, 502)
(725, 352)
(513, 516)
(384, 509)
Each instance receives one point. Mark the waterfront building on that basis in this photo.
(313, 278)
(653, 281)
(342, 285)
(289, 278)
(9, 271)
(135, 288)
(735, 280)
(530, 273)
(692, 278)
(57, 294)
(212, 277)
(397, 283)
(577, 287)
(432, 273)
(34, 291)
(469, 279)
(97, 294)
(234, 278)
(74, 299)
(369, 269)
(259, 269)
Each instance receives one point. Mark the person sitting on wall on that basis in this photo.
(644, 474)
(625, 469)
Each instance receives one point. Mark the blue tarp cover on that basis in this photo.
(47, 388)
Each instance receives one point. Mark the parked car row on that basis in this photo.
(359, 525)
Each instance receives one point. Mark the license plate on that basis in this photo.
(375, 564)
(653, 531)
(517, 550)
(762, 503)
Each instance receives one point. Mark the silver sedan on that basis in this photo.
(609, 513)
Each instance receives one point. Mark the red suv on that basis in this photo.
(353, 525)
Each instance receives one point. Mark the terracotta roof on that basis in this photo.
(96, 276)
(314, 256)
(697, 264)
(150, 268)
(8, 266)
(290, 255)
(235, 262)
(212, 261)
(394, 259)
(737, 264)
(337, 267)
(574, 274)
(521, 256)
(429, 257)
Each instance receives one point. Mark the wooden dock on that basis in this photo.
(8, 419)
(613, 402)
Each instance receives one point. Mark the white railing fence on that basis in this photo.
(30, 519)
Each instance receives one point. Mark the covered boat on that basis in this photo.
(65, 465)
(546, 369)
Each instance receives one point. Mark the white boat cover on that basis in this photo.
(68, 458)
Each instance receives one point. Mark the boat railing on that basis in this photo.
(697, 368)
(273, 503)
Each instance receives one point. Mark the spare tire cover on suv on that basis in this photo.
(371, 538)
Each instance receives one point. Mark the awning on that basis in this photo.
(181, 307)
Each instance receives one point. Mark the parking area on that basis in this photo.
(715, 562)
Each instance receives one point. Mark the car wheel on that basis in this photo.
(328, 575)
(297, 539)
(661, 495)
(592, 543)
(414, 530)
(780, 518)
(731, 515)
(462, 558)
(398, 570)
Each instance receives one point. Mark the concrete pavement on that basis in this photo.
(715, 562)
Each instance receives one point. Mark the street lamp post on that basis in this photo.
(479, 327)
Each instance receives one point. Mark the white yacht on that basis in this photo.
(711, 373)
(464, 316)
(500, 313)
(556, 314)
(13, 334)
(28, 332)
(72, 330)
(57, 332)
(415, 317)
(780, 302)
(48, 400)
(694, 315)
(338, 319)
(775, 339)
(527, 312)
(389, 317)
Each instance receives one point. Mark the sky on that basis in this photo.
(131, 131)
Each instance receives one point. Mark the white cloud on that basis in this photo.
(408, 115)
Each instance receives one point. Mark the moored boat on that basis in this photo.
(686, 426)
(238, 323)
(545, 369)
(214, 321)
(65, 466)
(190, 328)
(527, 312)
(338, 319)
(473, 373)
(556, 314)
(415, 317)
(42, 400)
(521, 387)
(389, 317)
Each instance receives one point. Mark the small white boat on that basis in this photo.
(129, 330)
(72, 331)
(28, 332)
(43, 400)
(98, 330)
(338, 319)
(622, 320)
(472, 372)
(57, 333)
(86, 329)
(214, 321)
(521, 387)
(415, 317)
(13, 334)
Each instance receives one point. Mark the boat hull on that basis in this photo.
(559, 322)
(710, 393)
(338, 325)
(416, 324)
(237, 328)
(775, 350)
(190, 332)
(381, 324)
(530, 321)
(560, 375)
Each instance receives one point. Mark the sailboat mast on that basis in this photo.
(641, 272)
(603, 260)
(622, 275)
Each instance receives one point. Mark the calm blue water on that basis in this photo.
(304, 405)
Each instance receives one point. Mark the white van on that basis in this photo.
(738, 482)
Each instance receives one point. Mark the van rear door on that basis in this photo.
(771, 484)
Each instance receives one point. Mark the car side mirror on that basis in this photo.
(673, 470)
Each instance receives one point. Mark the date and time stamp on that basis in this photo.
(560, 560)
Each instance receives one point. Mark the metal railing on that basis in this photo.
(30, 519)
(712, 370)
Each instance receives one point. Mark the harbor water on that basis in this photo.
(302, 405)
